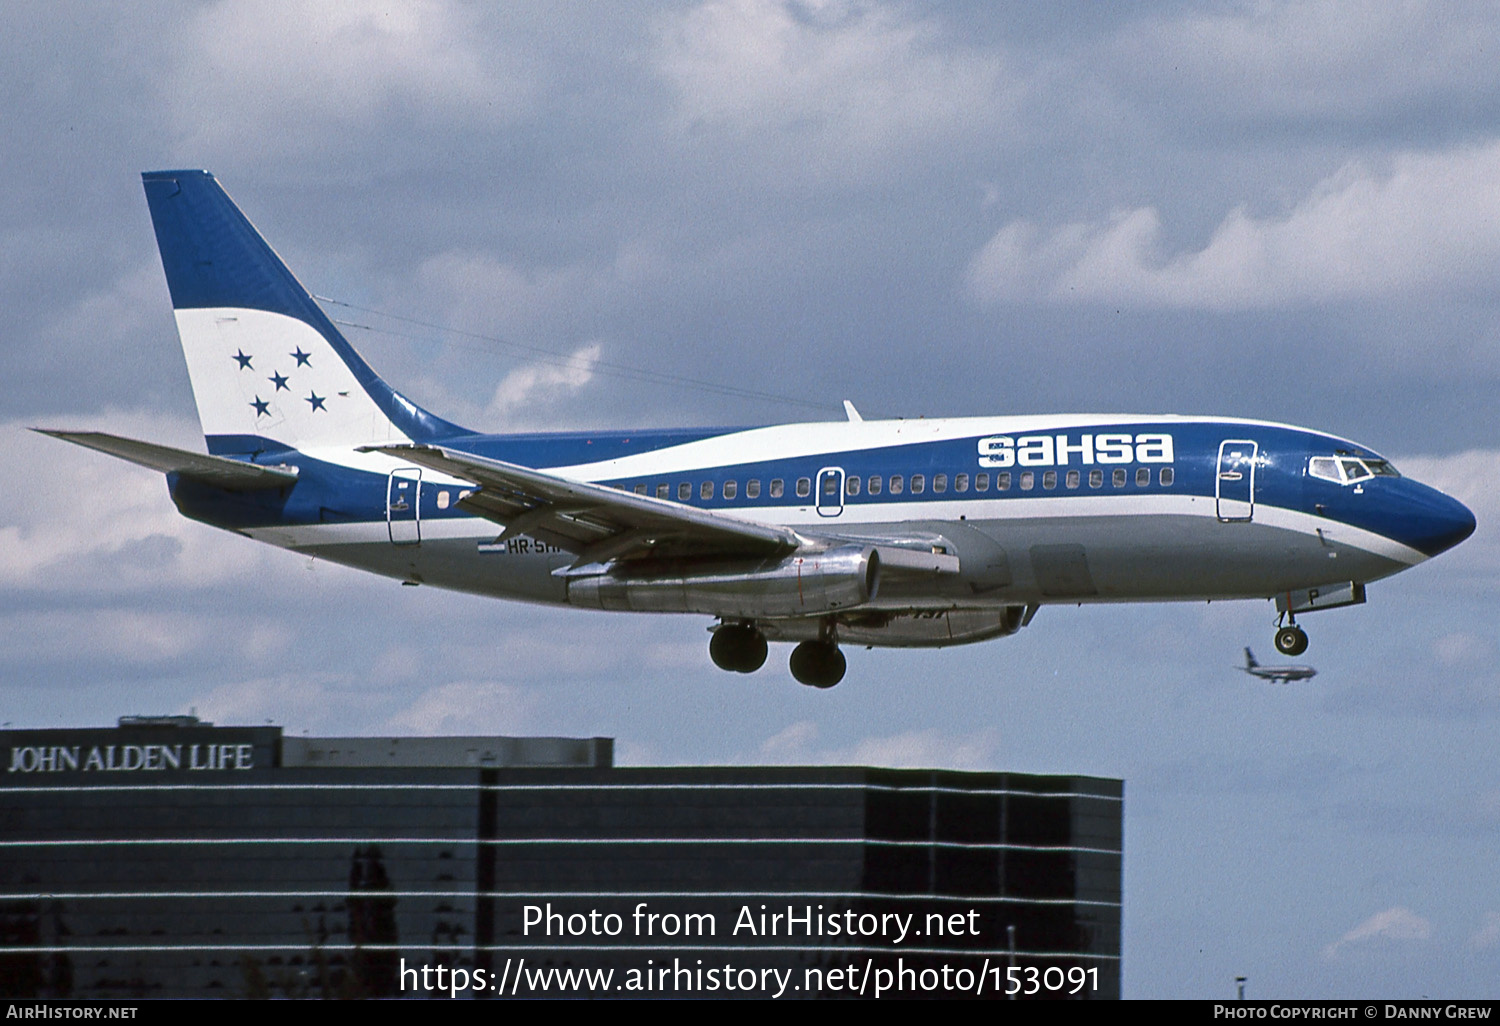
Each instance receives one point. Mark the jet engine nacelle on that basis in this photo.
(803, 585)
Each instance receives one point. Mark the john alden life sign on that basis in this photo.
(55, 756)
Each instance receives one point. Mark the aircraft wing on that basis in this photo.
(595, 522)
(220, 471)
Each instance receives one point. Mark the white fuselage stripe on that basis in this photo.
(856, 515)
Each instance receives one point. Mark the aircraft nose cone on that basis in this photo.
(1440, 523)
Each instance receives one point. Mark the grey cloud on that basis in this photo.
(1427, 228)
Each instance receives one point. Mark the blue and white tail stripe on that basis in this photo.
(269, 370)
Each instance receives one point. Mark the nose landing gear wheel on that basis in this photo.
(738, 647)
(1291, 640)
(818, 664)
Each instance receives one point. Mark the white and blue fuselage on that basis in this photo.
(893, 532)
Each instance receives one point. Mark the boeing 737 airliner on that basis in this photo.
(894, 532)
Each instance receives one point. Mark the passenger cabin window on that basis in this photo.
(1118, 477)
(706, 490)
(1096, 478)
(830, 485)
(804, 487)
(939, 482)
(684, 492)
(640, 489)
(663, 491)
(1143, 477)
(1073, 479)
(981, 482)
(778, 487)
(1049, 479)
(731, 489)
(1002, 482)
(1168, 475)
(1028, 478)
(918, 484)
(851, 484)
(898, 484)
(960, 482)
(875, 482)
(752, 488)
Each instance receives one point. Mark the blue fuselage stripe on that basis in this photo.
(1387, 506)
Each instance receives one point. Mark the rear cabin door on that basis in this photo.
(1234, 484)
(403, 506)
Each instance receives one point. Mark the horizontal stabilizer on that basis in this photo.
(219, 471)
(595, 522)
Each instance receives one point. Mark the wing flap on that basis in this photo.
(592, 520)
(220, 471)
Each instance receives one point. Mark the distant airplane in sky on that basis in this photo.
(877, 533)
(1278, 674)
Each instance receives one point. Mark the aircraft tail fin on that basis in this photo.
(269, 370)
(1250, 662)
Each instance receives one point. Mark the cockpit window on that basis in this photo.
(1325, 467)
(1348, 469)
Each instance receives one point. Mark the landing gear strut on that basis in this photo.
(1290, 639)
(738, 647)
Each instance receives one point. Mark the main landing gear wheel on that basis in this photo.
(738, 647)
(818, 664)
(1291, 640)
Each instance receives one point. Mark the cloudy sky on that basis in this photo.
(734, 212)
